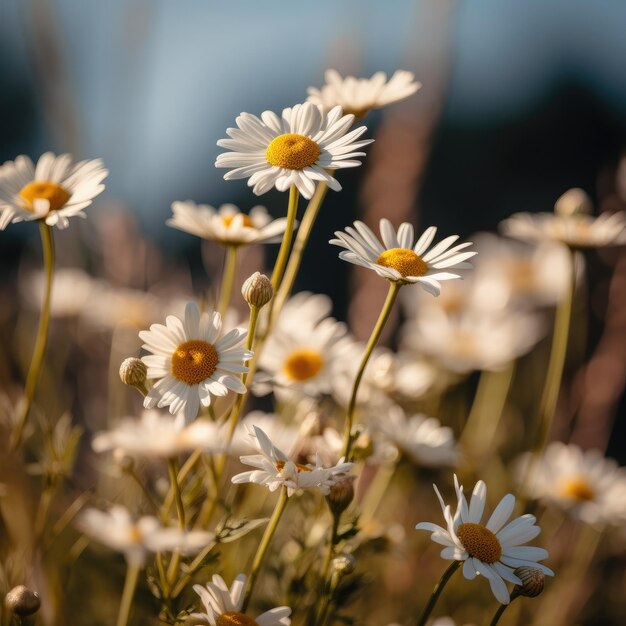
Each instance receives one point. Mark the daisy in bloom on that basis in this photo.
(53, 190)
(116, 529)
(570, 224)
(191, 362)
(307, 348)
(157, 435)
(295, 149)
(274, 469)
(492, 550)
(398, 259)
(360, 95)
(227, 225)
(589, 486)
(223, 605)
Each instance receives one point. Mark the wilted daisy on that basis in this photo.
(53, 190)
(191, 361)
(360, 95)
(275, 469)
(584, 483)
(227, 225)
(398, 259)
(295, 149)
(223, 605)
(116, 529)
(492, 549)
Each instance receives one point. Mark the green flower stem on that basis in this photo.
(501, 609)
(32, 379)
(283, 253)
(394, 289)
(228, 278)
(132, 574)
(178, 496)
(327, 587)
(263, 546)
(445, 577)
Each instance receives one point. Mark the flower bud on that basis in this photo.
(22, 601)
(257, 291)
(133, 372)
(340, 495)
(573, 202)
(344, 564)
(533, 580)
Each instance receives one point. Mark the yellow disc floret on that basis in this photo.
(44, 190)
(233, 618)
(405, 261)
(480, 542)
(194, 361)
(303, 364)
(227, 220)
(577, 489)
(292, 151)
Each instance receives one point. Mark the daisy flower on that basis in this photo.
(398, 260)
(116, 529)
(589, 486)
(191, 363)
(360, 95)
(295, 149)
(53, 190)
(227, 225)
(492, 550)
(275, 469)
(223, 605)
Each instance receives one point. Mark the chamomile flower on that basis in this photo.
(53, 190)
(295, 149)
(587, 485)
(227, 225)
(397, 259)
(492, 550)
(360, 95)
(275, 469)
(223, 605)
(191, 362)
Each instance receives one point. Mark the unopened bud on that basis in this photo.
(533, 580)
(344, 564)
(133, 372)
(340, 495)
(22, 601)
(573, 202)
(257, 291)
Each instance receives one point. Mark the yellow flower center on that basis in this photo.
(227, 220)
(480, 542)
(44, 190)
(303, 364)
(194, 361)
(578, 489)
(134, 535)
(233, 618)
(404, 261)
(280, 465)
(292, 152)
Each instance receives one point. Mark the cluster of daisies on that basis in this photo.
(201, 366)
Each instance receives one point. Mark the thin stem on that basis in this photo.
(182, 475)
(130, 471)
(445, 577)
(498, 614)
(178, 496)
(263, 546)
(394, 289)
(132, 574)
(283, 253)
(327, 585)
(228, 278)
(32, 379)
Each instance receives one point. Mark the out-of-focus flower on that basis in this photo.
(295, 149)
(158, 435)
(586, 484)
(223, 605)
(53, 190)
(398, 259)
(191, 362)
(492, 550)
(423, 439)
(285, 435)
(227, 225)
(360, 95)
(274, 469)
(116, 529)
